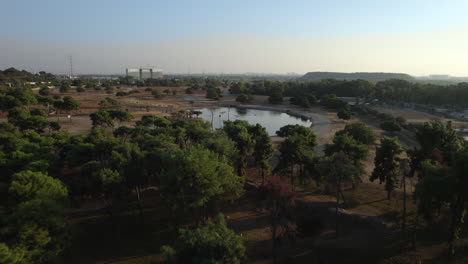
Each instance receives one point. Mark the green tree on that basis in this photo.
(196, 178)
(113, 188)
(263, 149)
(213, 93)
(102, 118)
(18, 115)
(344, 114)
(220, 143)
(279, 200)
(120, 115)
(387, 168)
(354, 150)
(36, 123)
(441, 185)
(211, 243)
(338, 170)
(244, 98)
(390, 126)
(70, 104)
(64, 87)
(296, 149)
(238, 131)
(44, 91)
(156, 93)
(360, 132)
(434, 136)
(109, 103)
(36, 231)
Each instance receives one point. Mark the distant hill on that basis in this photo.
(370, 76)
(12, 75)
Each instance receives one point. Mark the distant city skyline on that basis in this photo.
(416, 37)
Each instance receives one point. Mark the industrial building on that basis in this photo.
(144, 73)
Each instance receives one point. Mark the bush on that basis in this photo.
(211, 243)
(64, 88)
(44, 91)
(213, 93)
(121, 94)
(360, 132)
(80, 89)
(244, 98)
(390, 126)
(275, 98)
(156, 94)
(344, 114)
(189, 90)
(332, 102)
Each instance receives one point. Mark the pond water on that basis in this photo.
(271, 120)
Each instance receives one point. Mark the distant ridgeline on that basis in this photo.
(14, 76)
(370, 76)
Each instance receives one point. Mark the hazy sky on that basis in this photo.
(418, 37)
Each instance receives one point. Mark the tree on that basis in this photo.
(243, 98)
(112, 187)
(434, 136)
(44, 91)
(344, 114)
(390, 126)
(120, 115)
(196, 178)
(189, 91)
(355, 151)
(441, 185)
(18, 115)
(109, 103)
(360, 132)
(387, 167)
(36, 231)
(36, 123)
(129, 160)
(213, 93)
(220, 143)
(263, 149)
(64, 87)
(80, 89)
(296, 149)
(156, 93)
(338, 170)
(238, 131)
(279, 199)
(70, 104)
(102, 118)
(276, 98)
(211, 243)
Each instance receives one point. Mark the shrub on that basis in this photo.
(344, 114)
(390, 125)
(244, 98)
(211, 243)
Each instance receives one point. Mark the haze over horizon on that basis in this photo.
(415, 37)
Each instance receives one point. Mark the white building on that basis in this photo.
(144, 73)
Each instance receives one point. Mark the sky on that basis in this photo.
(106, 36)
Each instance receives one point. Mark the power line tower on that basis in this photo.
(70, 60)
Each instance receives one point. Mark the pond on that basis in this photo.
(271, 120)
